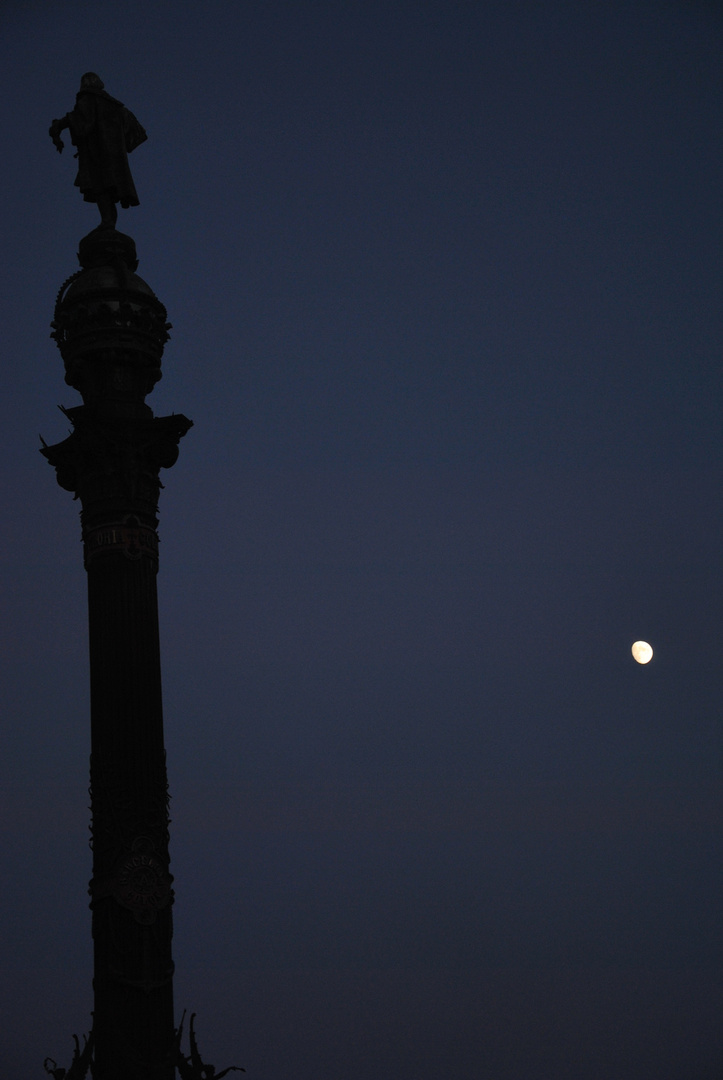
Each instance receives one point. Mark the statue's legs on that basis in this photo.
(108, 210)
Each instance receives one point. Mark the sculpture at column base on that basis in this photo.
(192, 1067)
(82, 1061)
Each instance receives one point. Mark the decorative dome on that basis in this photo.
(109, 325)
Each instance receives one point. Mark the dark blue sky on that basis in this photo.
(445, 283)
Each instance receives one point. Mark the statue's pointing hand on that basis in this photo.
(55, 129)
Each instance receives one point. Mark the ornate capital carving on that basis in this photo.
(112, 465)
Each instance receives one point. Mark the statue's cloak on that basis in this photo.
(105, 133)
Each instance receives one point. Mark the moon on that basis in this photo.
(642, 652)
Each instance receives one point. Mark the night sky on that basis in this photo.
(445, 281)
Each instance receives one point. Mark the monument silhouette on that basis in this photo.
(111, 330)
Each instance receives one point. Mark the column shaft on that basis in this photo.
(131, 887)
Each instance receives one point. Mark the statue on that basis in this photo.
(104, 133)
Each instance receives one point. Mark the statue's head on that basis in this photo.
(91, 81)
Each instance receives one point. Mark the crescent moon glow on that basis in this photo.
(642, 652)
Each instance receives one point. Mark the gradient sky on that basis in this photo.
(445, 281)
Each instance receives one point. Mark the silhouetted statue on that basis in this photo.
(79, 1065)
(104, 133)
(193, 1068)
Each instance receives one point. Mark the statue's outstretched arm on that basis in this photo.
(55, 129)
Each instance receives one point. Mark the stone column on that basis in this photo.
(111, 330)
